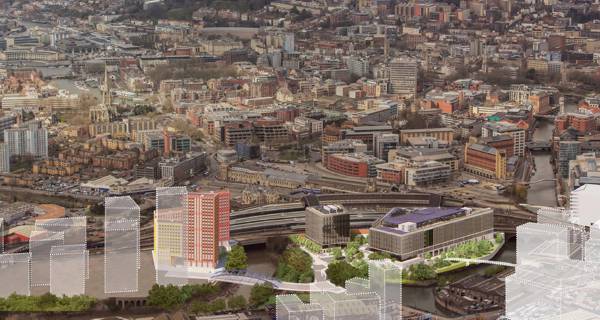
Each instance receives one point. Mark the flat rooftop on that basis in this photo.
(420, 216)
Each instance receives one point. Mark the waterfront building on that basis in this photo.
(485, 161)
(583, 123)
(567, 151)
(492, 129)
(411, 233)
(585, 169)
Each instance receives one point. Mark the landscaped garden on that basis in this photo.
(351, 261)
(295, 265)
(469, 250)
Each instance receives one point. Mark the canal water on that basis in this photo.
(543, 193)
(422, 298)
(69, 85)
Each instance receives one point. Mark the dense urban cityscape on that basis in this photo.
(299, 159)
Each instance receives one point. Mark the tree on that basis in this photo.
(236, 303)
(166, 297)
(337, 253)
(141, 109)
(236, 259)
(295, 265)
(200, 307)
(379, 256)
(362, 267)
(340, 271)
(421, 272)
(217, 305)
(499, 238)
(261, 294)
(45, 303)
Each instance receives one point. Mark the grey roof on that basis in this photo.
(420, 216)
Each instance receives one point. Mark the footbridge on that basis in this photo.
(477, 261)
(252, 279)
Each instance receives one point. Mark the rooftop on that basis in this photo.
(483, 148)
(427, 130)
(398, 216)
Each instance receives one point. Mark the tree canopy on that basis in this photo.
(46, 303)
(170, 296)
(261, 294)
(236, 259)
(340, 271)
(295, 265)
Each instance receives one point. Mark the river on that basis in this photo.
(69, 85)
(543, 193)
(422, 297)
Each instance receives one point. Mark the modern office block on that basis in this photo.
(567, 151)
(411, 233)
(383, 143)
(328, 225)
(121, 245)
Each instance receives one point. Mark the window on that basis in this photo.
(428, 237)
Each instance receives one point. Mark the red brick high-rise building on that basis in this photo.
(206, 227)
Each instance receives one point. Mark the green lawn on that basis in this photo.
(452, 267)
